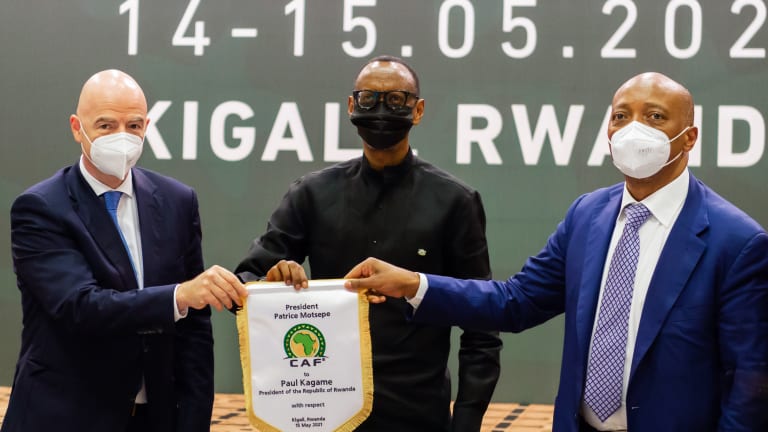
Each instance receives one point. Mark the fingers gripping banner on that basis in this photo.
(306, 357)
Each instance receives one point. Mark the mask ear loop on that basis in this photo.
(82, 131)
(681, 133)
(681, 151)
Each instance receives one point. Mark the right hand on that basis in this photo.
(291, 272)
(379, 279)
(216, 286)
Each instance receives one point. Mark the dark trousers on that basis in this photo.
(139, 421)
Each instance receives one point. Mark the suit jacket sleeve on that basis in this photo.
(479, 350)
(526, 299)
(743, 334)
(194, 348)
(51, 267)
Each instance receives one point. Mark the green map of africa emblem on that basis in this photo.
(304, 340)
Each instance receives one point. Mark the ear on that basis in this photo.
(418, 111)
(76, 126)
(350, 105)
(690, 138)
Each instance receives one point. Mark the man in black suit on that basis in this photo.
(113, 339)
(395, 206)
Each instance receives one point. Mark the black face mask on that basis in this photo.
(380, 127)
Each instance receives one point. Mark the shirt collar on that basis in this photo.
(391, 174)
(126, 187)
(665, 203)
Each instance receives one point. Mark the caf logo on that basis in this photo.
(304, 340)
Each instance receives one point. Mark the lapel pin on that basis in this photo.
(422, 252)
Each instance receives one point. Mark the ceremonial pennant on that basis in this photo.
(306, 357)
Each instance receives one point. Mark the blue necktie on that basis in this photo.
(605, 373)
(112, 200)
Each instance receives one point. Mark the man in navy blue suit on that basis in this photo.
(117, 333)
(664, 286)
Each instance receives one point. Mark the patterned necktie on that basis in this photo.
(111, 201)
(605, 373)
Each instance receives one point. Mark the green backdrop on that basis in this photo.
(245, 96)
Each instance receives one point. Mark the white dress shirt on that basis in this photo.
(665, 206)
(128, 220)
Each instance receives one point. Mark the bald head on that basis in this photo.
(385, 72)
(111, 87)
(654, 83)
(110, 102)
(656, 101)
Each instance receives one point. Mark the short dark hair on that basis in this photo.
(393, 59)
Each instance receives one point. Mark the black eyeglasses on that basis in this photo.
(394, 100)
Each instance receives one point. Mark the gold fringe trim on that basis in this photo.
(245, 362)
(366, 363)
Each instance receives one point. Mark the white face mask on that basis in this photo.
(114, 154)
(640, 151)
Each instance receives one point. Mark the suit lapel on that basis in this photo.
(149, 203)
(99, 224)
(599, 238)
(678, 259)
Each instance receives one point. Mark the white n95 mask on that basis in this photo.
(115, 154)
(640, 151)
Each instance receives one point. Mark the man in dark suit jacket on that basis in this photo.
(113, 339)
(395, 206)
(692, 333)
